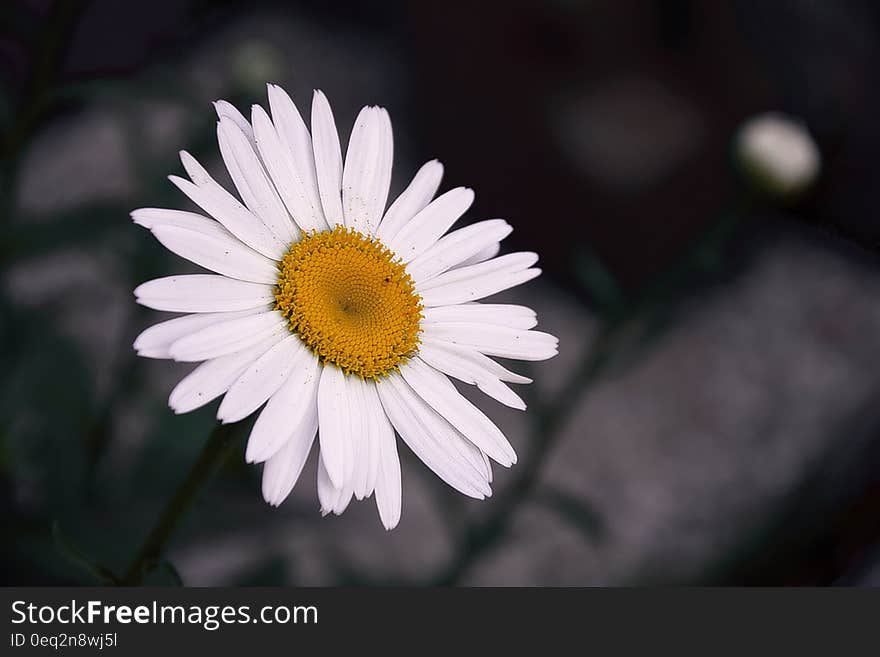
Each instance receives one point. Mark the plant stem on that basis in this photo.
(218, 447)
(54, 39)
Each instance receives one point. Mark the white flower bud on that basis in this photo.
(777, 155)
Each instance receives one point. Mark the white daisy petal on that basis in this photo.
(334, 405)
(152, 217)
(252, 182)
(354, 397)
(196, 172)
(413, 199)
(475, 282)
(229, 111)
(486, 254)
(205, 242)
(457, 246)
(332, 499)
(342, 500)
(293, 405)
(327, 493)
(295, 188)
(424, 229)
(432, 438)
(367, 431)
(328, 159)
(496, 340)
(501, 392)
(506, 264)
(487, 465)
(377, 423)
(476, 288)
(457, 351)
(213, 377)
(384, 168)
(227, 337)
(441, 395)
(366, 175)
(261, 380)
(202, 293)
(471, 454)
(294, 137)
(214, 248)
(360, 423)
(205, 192)
(282, 470)
(155, 341)
(502, 314)
(387, 486)
(466, 370)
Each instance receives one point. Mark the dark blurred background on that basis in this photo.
(713, 415)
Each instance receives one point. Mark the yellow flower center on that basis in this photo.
(349, 301)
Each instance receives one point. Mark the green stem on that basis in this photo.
(220, 444)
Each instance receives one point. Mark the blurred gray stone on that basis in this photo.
(76, 160)
(319, 551)
(691, 448)
(83, 294)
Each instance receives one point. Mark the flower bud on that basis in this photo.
(777, 156)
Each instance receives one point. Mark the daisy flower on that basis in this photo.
(346, 319)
